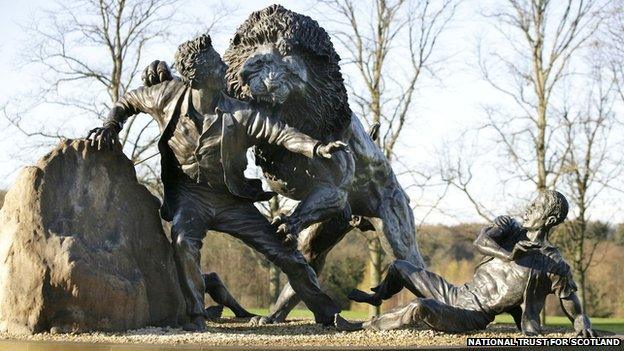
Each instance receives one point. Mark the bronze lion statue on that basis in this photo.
(284, 61)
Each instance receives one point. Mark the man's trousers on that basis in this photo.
(197, 208)
(440, 304)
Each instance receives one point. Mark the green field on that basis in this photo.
(615, 325)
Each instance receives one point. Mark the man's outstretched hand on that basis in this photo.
(157, 72)
(326, 150)
(103, 137)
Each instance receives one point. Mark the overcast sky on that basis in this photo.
(445, 107)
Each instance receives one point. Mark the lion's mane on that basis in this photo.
(323, 110)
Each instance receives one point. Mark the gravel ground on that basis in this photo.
(295, 333)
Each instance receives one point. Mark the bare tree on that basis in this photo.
(541, 39)
(615, 43)
(590, 167)
(547, 36)
(89, 53)
(379, 37)
(539, 43)
(456, 169)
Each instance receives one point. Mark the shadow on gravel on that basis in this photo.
(294, 335)
(294, 327)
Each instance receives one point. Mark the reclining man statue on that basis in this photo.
(205, 136)
(520, 269)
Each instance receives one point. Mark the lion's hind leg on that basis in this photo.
(395, 221)
(314, 243)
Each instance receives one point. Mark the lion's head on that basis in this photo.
(281, 58)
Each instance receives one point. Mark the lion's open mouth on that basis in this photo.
(269, 98)
(294, 67)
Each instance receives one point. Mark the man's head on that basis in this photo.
(549, 209)
(199, 65)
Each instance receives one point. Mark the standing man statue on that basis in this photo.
(205, 135)
(520, 270)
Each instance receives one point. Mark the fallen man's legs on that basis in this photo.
(403, 274)
(435, 314)
(439, 304)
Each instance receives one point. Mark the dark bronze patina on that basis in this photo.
(285, 62)
(205, 135)
(520, 269)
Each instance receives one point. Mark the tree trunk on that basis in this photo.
(274, 283)
(375, 255)
(540, 147)
(579, 254)
(542, 107)
(581, 288)
(274, 272)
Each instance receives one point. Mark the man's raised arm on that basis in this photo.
(143, 99)
(487, 243)
(489, 239)
(276, 132)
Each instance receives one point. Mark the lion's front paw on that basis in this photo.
(257, 321)
(279, 220)
(285, 232)
(214, 312)
(287, 229)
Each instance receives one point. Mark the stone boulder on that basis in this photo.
(82, 248)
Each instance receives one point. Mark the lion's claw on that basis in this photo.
(282, 230)
(260, 320)
(278, 220)
(285, 230)
(288, 237)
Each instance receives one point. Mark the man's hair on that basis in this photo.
(192, 60)
(555, 204)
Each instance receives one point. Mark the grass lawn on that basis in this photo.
(615, 325)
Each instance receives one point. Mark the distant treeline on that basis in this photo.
(447, 250)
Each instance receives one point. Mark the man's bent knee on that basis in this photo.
(183, 243)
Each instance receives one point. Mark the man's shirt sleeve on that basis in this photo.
(145, 99)
(276, 132)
